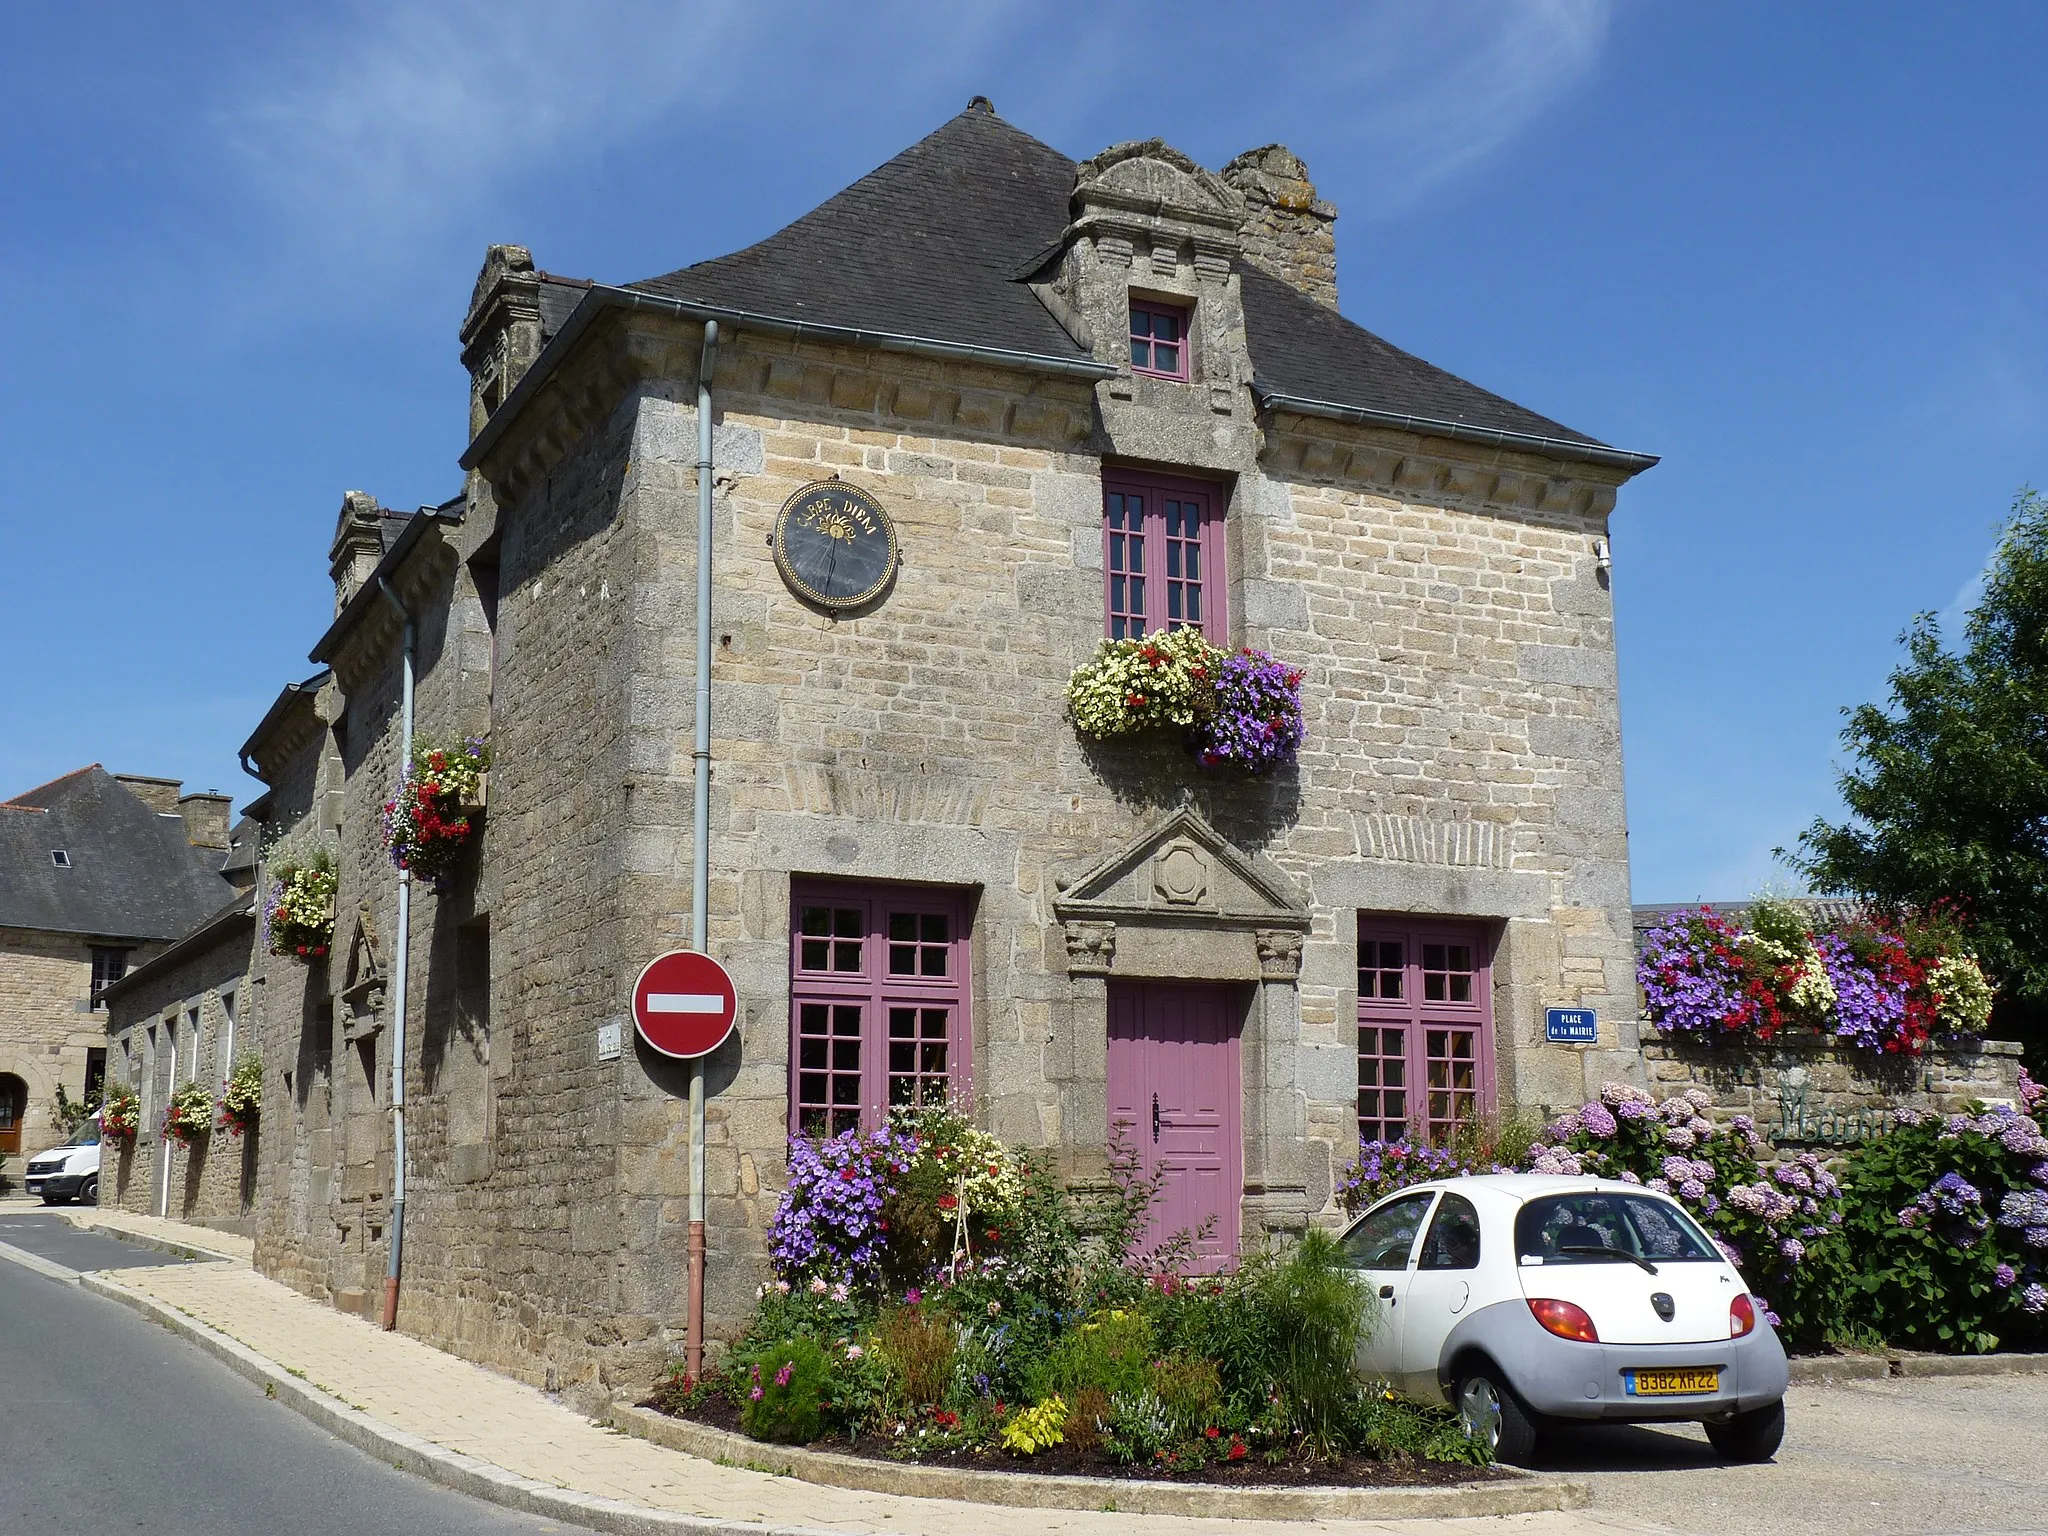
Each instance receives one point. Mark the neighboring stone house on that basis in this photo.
(175, 1019)
(98, 872)
(1092, 399)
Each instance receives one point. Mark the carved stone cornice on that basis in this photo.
(1408, 464)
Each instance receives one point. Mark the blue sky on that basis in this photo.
(1801, 258)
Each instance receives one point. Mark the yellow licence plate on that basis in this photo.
(1672, 1383)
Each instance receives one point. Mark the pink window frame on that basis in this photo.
(876, 991)
(1425, 1022)
(1179, 312)
(1214, 580)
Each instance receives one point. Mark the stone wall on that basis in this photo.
(205, 999)
(47, 1024)
(1807, 1091)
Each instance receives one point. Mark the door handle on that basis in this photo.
(1386, 1293)
(1155, 1119)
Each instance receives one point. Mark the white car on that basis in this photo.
(1527, 1299)
(70, 1172)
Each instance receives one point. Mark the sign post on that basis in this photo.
(684, 1006)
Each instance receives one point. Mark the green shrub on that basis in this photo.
(1085, 1419)
(1138, 1427)
(1112, 1351)
(1392, 1426)
(785, 1393)
(1191, 1389)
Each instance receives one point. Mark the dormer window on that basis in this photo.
(60, 858)
(1159, 340)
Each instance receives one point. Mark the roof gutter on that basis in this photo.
(1568, 449)
(604, 296)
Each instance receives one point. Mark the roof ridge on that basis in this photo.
(39, 788)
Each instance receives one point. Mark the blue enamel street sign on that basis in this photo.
(1572, 1026)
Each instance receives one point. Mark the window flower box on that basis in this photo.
(298, 913)
(1237, 710)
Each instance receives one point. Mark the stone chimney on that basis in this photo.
(501, 333)
(1286, 229)
(160, 795)
(358, 545)
(206, 818)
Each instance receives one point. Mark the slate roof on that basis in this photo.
(132, 872)
(231, 926)
(938, 242)
(559, 297)
(932, 244)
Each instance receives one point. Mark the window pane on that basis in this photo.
(1165, 359)
(1141, 354)
(1166, 326)
(1194, 604)
(1432, 987)
(933, 928)
(1137, 552)
(1173, 557)
(902, 959)
(816, 955)
(1382, 1240)
(816, 920)
(902, 925)
(1173, 589)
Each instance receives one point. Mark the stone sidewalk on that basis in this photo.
(488, 1435)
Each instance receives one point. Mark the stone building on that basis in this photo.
(1078, 400)
(98, 872)
(176, 1019)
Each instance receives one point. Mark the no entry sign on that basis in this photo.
(684, 1004)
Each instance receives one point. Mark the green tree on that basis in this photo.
(1948, 790)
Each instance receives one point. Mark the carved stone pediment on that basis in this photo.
(1182, 871)
(363, 986)
(1152, 179)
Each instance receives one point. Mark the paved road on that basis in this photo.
(111, 1424)
(1915, 1455)
(55, 1239)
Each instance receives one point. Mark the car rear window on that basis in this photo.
(1584, 1229)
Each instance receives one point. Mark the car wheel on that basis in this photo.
(56, 1199)
(1494, 1416)
(89, 1191)
(1752, 1436)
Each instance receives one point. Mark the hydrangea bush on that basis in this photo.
(1781, 1227)
(1949, 1220)
(1884, 989)
(1239, 710)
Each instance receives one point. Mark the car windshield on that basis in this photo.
(87, 1135)
(1604, 1227)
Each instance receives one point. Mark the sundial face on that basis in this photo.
(834, 545)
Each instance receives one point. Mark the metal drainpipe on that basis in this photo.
(401, 965)
(163, 1199)
(700, 843)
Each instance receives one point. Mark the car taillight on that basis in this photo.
(1565, 1320)
(1741, 1317)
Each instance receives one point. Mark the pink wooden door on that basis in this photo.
(1176, 1096)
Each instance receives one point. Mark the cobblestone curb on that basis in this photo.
(409, 1453)
(1819, 1368)
(1523, 1495)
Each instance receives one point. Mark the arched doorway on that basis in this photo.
(13, 1110)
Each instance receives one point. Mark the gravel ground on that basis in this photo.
(1932, 1455)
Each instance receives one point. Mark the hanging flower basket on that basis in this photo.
(188, 1118)
(241, 1099)
(1239, 710)
(298, 914)
(120, 1115)
(430, 820)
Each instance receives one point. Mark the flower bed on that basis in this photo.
(428, 822)
(298, 914)
(1888, 989)
(940, 1295)
(1239, 710)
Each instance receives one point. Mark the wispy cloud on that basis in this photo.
(1427, 93)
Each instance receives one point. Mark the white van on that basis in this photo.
(70, 1172)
